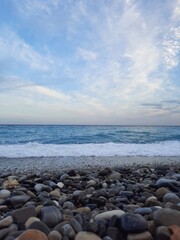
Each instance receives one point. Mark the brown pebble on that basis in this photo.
(32, 234)
(139, 236)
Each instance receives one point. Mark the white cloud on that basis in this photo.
(13, 47)
(86, 55)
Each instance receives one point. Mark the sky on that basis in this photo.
(90, 62)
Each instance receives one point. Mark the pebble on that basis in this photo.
(32, 234)
(30, 221)
(87, 236)
(171, 197)
(107, 215)
(133, 222)
(51, 216)
(6, 222)
(4, 193)
(140, 236)
(166, 217)
(109, 204)
(54, 235)
(21, 215)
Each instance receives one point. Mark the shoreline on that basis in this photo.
(58, 164)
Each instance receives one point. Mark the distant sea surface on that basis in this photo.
(62, 140)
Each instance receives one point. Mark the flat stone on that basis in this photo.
(51, 216)
(6, 222)
(4, 193)
(21, 215)
(87, 236)
(32, 234)
(167, 217)
(140, 236)
(143, 211)
(84, 210)
(19, 199)
(54, 235)
(133, 222)
(171, 197)
(38, 225)
(107, 215)
(55, 193)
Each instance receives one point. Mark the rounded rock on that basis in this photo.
(171, 197)
(87, 236)
(6, 222)
(30, 221)
(140, 236)
(133, 222)
(32, 234)
(4, 194)
(166, 217)
(54, 235)
(51, 216)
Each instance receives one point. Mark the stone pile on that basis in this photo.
(137, 203)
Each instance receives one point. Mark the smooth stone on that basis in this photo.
(6, 222)
(84, 210)
(143, 211)
(76, 225)
(30, 221)
(21, 215)
(54, 235)
(67, 230)
(115, 175)
(107, 238)
(31, 194)
(19, 199)
(55, 193)
(133, 222)
(38, 225)
(107, 215)
(171, 197)
(51, 216)
(87, 236)
(60, 184)
(167, 217)
(64, 177)
(12, 228)
(32, 234)
(160, 192)
(140, 236)
(127, 194)
(69, 205)
(163, 233)
(4, 193)
(151, 201)
(39, 187)
(170, 183)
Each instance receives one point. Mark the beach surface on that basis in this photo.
(57, 164)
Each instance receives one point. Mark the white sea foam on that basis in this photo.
(169, 148)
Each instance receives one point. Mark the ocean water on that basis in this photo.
(61, 140)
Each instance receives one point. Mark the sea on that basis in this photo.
(19, 141)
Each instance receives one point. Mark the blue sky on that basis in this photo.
(90, 62)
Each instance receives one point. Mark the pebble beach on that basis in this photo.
(67, 198)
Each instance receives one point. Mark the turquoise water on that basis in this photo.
(55, 140)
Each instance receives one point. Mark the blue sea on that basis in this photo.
(69, 140)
